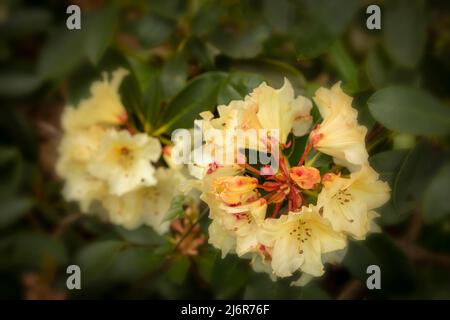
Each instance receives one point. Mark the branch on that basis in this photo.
(354, 289)
(419, 254)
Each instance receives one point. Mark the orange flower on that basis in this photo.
(232, 190)
(305, 177)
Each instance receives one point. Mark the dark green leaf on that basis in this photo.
(273, 71)
(133, 263)
(61, 54)
(388, 164)
(346, 67)
(178, 269)
(25, 22)
(404, 31)
(410, 110)
(319, 23)
(237, 86)
(141, 236)
(396, 270)
(97, 258)
(13, 209)
(410, 182)
(243, 44)
(17, 84)
(34, 249)
(229, 276)
(199, 95)
(153, 30)
(99, 28)
(174, 75)
(436, 204)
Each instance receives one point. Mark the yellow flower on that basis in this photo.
(339, 135)
(235, 208)
(103, 107)
(220, 238)
(280, 109)
(78, 146)
(75, 150)
(251, 123)
(348, 202)
(298, 241)
(305, 177)
(244, 223)
(124, 161)
(83, 188)
(147, 205)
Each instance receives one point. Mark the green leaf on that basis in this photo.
(100, 28)
(97, 258)
(237, 86)
(12, 209)
(32, 249)
(410, 183)
(202, 52)
(176, 208)
(273, 71)
(388, 164)
(410, 110)
(261, 287)
(319, 23)
(280, 14)
(243, 44)
(61, 54)
(179, 269)
(25, 21)
(404, 31)
(436, 204)
(152, 101)
(346, 67)
(174, 75)
(199, 95)
(207, 18)
(144, 72)
(18, 83)
(396, 270)
(143, 235)
(79, 83)
(153, 30)
(132, 264)
(229, 276)
(206, 263)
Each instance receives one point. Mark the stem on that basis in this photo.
(313, 159)
(202, 214)
(276, 210)
(165, 140)
(252, 169)
(305, 153)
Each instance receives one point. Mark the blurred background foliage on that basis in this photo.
(189, 56)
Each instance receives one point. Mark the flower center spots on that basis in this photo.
(301, 232)
(126, 156)
(343, 196)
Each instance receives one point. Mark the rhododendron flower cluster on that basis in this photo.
(294, 219)
(288, 218)
(109, 169)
